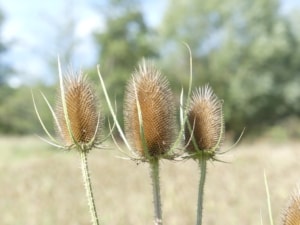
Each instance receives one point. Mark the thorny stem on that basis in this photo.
(202, 166)
(88, 187)
(154, 167)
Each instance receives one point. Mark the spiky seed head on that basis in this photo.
(291, 215)
(205, 127)
(82, 107)
(149, 112)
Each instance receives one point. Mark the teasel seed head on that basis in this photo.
(149, 112)
(204, 130)
(83, 114)
(291, 215)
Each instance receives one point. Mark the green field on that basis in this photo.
(40, 185)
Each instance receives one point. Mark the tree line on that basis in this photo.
(248, 51)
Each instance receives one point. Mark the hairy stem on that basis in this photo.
(88, 187)
(154, 167)
(202, 165)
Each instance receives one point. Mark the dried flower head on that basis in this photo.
(204, 130)
(291, 214)
(149, 112)
(77, 112)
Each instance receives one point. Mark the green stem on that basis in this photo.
(202, 165)
(269, 199)
(154, 167)
(88, 187)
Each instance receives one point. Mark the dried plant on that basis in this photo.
(78, 122)
(291, 215)
(150, 123)
(204, 134)
(82, 112)
(149, 105)
(149, 115)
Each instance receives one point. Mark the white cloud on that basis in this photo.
(87, 25)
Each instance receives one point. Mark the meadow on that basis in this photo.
(41, 185)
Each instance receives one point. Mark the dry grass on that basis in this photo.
(40, 186)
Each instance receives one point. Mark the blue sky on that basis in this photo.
(27, 24)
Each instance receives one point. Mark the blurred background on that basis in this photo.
(248, 51)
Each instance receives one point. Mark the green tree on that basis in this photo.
(125, 41)
(246, 50)
(17, 115)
